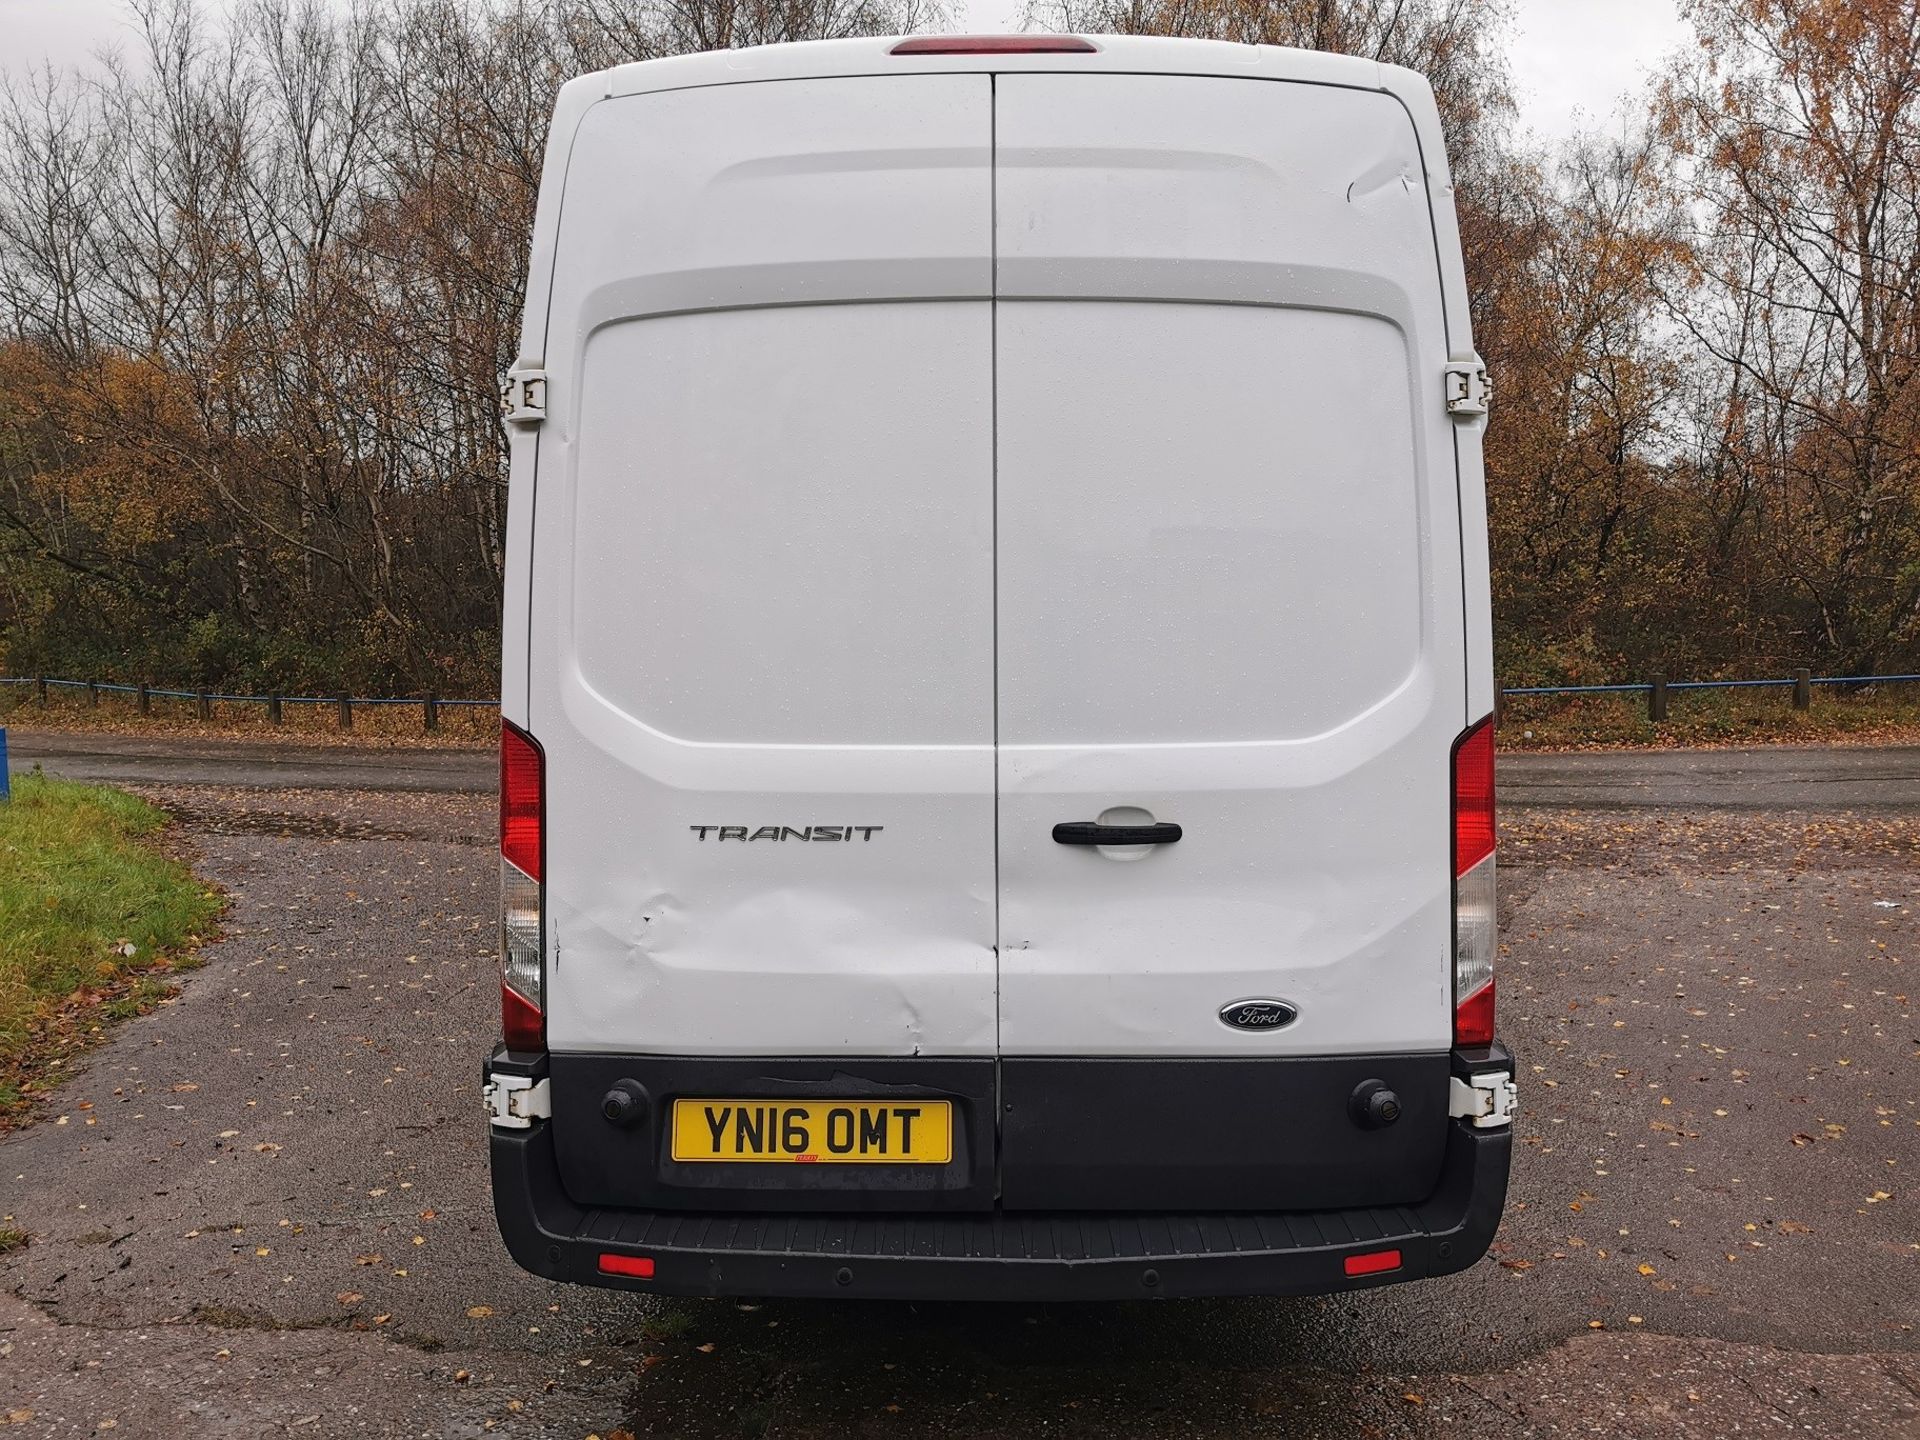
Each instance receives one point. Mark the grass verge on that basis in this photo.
(1706, 718)
(93, 917)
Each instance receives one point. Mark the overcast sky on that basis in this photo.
(1572, 59)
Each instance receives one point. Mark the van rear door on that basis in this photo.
(1229, 600)
(761, 630)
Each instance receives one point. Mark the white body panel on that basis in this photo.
(959, 453)
(764, 567)
(1229, 579)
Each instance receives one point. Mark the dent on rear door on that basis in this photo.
(761, 633)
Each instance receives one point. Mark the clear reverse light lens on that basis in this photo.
(520, 964)
(1474, 920)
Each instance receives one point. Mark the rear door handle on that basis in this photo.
(1088, 832)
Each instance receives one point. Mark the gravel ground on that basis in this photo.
(263, 1209)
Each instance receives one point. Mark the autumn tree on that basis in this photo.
(258, 280)
(1795, 144)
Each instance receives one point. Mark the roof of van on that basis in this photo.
(1127, 53)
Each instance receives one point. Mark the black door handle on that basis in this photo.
(1087, 832)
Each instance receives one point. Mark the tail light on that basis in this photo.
(523, 970)
(1474, 919)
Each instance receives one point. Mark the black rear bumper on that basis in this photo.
(997, 1255)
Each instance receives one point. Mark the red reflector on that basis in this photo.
(640, 1267)
(1473, 797)
(522, 1025)
(1473, 1018)
(995, 45)
(521, 783)
(1375, 1262)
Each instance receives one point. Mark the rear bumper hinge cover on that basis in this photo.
(514, 1102)
(1483, 1100)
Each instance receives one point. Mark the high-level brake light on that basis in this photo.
(995, 45)
(1474, 914)
(523, 971)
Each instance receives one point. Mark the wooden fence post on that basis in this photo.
(40, 690)
(1803, 689)
(1657, 697)
(273, 709)
(346, 713)
(430, 712)
(203, 705)
(146, 700)
(93, 693)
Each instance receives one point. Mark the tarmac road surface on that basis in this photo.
(1756, 778)
(263, 1208)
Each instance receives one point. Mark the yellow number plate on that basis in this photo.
(814, 1132)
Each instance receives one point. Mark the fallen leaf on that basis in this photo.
(1517, 1264)
(349, 1297)
(1878, 1196)
(460, 1377)
(265, 1147)
(1413, 1399)
(1646, 1269)
(368, 1259)
(479, 1312)
(706, 1349)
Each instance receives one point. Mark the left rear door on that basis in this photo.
(761, 634)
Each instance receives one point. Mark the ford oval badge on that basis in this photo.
(1258, 1014)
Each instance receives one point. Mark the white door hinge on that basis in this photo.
(1469, 389)
(523, 395)
(514, 1102)
(1487, 1100)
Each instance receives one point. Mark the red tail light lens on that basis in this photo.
(1473, 1018)
(522, 1025)
(995, 45)
(522, 801)
(1473, 837)
(1475, 914)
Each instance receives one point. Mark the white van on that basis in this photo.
(997, 767)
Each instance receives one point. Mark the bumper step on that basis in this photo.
(997, 1256)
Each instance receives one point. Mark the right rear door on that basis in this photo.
(1228, 574)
